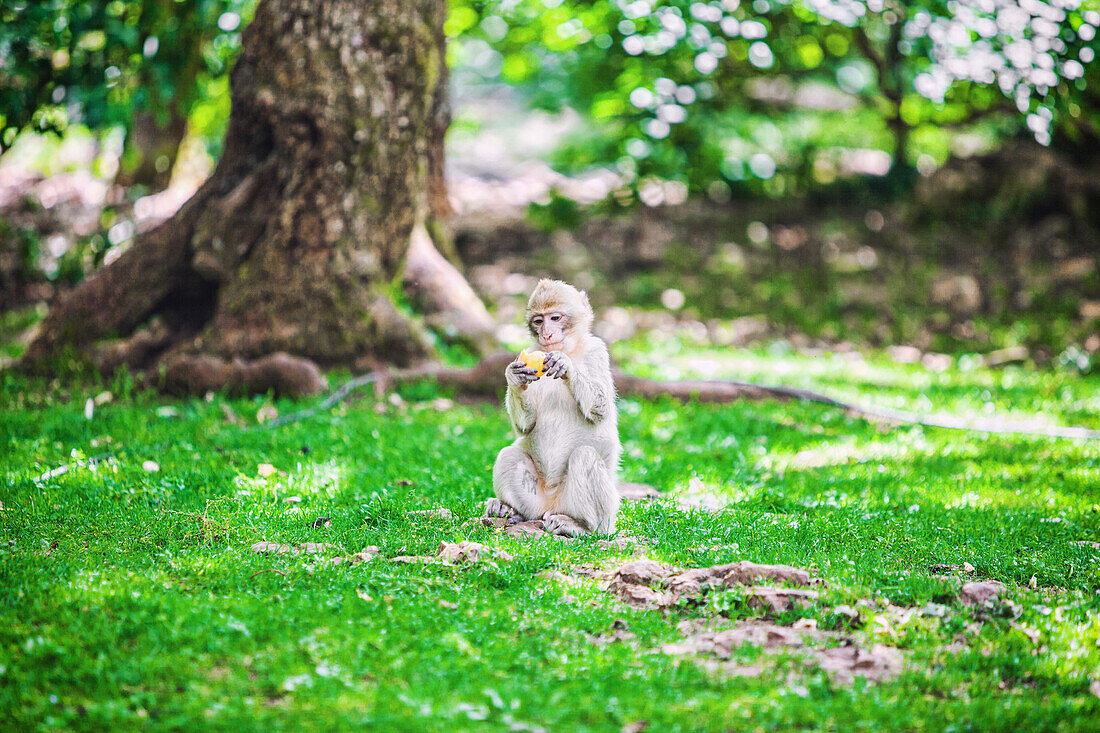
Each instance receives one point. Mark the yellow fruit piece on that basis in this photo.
(535, 360)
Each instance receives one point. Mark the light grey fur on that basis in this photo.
(564, 463)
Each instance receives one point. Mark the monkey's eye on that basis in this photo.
(555, 317)
(537, 321)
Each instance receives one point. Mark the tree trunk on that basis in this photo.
(151, 151)
(299, 240)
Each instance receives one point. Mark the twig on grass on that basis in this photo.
(267, 570)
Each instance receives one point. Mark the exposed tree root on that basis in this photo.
(486, 380)
(280, 373)
(294, 376)
(440, 291)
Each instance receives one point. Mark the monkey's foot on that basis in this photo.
(563, 524)
(497, 508)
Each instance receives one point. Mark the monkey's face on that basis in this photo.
(552, 331)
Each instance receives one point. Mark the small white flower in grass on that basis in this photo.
(265, 469)
(151, 466)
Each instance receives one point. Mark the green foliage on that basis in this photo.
(98, 63)
(131, 598)
(726, 97)
(769, 95)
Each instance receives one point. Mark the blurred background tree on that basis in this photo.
(976, 120)
(764, 96)
(145, 66)
(761, 96)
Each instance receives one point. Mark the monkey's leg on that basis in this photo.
(588, 501)
(516, 485)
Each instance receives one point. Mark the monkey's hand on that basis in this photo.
(518, 374)
(558, 365)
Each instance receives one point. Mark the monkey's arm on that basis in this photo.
(590, 382)
(520, 410)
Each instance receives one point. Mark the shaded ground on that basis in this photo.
(993, 254)
(987, 254)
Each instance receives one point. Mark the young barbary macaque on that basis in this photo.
(564, 463)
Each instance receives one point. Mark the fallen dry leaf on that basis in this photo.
(557, 576)
(230, 416)
(447, 604)
(466, 552)
(618, 633)
(746, 573)
(265, 469)
(645, 572)
(433, 513)
(697, 624)
(981, 593)
(306, 548)
(362, 556)
(847, 612)
(1094, 688)
(642, 596)
(941, 569)
(844, 663)
(315, 548)
(265, 548)
(778, 600)
(635, 727)
(456, 553)
(363, 594)
(1088, 543)
(265, 413)
(757, 633)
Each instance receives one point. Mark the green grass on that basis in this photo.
(148, 612)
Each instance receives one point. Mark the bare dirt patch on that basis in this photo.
(650, 584)
(838, 655)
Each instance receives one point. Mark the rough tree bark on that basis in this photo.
(299, 243)
(149, 142)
